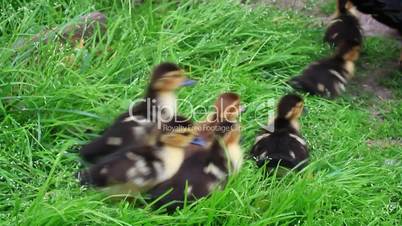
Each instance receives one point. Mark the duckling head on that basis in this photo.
(167, 77)
(290, 107)
(177, 133)
(344, 6)
(349, 51)
(227, 108)
(227, 112)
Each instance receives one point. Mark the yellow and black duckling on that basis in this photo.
(134, 126)
(203, 171)
(135, 169)
(328, 77)
(206, 168)
(344, 27)
(283, 146)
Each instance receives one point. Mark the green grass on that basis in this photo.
(48, 108)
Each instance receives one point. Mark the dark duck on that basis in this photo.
(136, 125)
(387, 12)
(344, 27)
(283, 145)
(329, 77)
(206, 169)
(135, 169)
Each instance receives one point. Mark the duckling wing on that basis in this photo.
(318, 78)
(129, 169)
(343, 28)
(191, 182)
(122, 133)
(279, 149)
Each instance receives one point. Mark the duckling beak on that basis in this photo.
(305, 111)
(199, 141)
(188, 82)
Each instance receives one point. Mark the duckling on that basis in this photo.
(283, 146)
(135, 169)
(227, 108)
(207, 167)
(135, 125)
(328, 77)
(344, 27)
(203, 171)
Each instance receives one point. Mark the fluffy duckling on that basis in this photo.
(206, 167)
(135, 126)
(227, 108)
(344, 27)
(328, 77)
(135, 169)
(283, 146)
(203, 171)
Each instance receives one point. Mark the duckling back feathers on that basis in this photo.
(327, 77)
(343, 28)
(282, 147)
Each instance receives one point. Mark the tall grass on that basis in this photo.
(49, 106)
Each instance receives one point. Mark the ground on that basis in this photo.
(56, 98)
